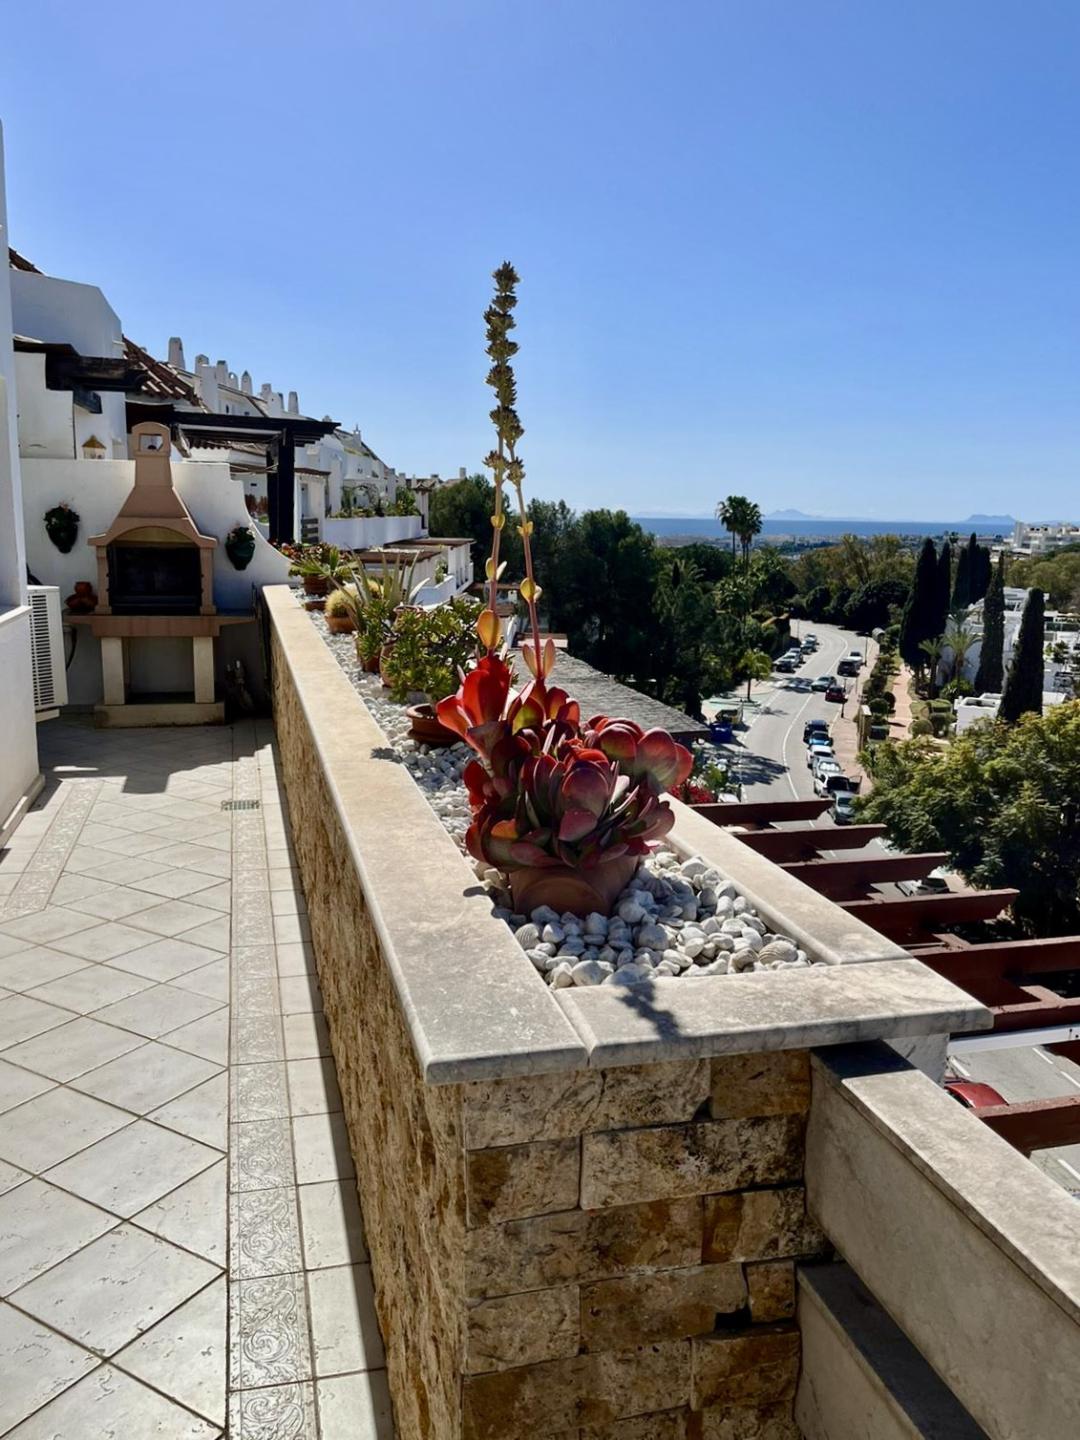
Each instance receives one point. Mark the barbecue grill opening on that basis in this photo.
(154, 579)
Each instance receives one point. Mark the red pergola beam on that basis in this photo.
(1035, 1124)
(803, 842)
(762, 812)
(1005, 957)
(913, 914)
(1049, 1009)
(848, 879)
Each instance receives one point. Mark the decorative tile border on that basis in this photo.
(35, 884)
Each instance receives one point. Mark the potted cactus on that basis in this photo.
(566, 810)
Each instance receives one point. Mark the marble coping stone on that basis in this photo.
(775, 1010)
(826, 932)
(1025, 1214)
(474, 1003)
(475, 1006)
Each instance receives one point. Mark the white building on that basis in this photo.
(19, 777)
(1036, 540)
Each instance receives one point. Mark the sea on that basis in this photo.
(701, 528)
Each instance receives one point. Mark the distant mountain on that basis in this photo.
(790, 515)
(999, 522)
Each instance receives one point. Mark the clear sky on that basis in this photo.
(822, 252)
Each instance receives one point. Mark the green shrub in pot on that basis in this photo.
(431, 648)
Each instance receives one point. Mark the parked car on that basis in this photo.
(856, 657)
(838, 784)
(827, 763)
(823, 682)
(810, 639)
(808, 646)
(814, 727)
(973, 1094)
(843, 807)
(824, 772)
(785, 665)
(933, 884)
(847, 666)
(817, 745)
(836, 693)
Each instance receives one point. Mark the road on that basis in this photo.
(770, 755)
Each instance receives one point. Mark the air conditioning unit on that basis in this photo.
(47, 650)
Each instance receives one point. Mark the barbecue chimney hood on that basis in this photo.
(153, 560)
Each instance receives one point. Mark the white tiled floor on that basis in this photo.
(181, 1247)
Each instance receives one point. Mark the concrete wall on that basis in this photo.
(96, 489)
(18, 748)
(364, 532)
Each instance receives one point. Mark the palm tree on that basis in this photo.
(757, 665)
(959, 640)
(726, 513)
(932, 649)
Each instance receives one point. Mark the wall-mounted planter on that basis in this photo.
(240, 546)
(62, 527)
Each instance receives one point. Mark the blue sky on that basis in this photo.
(822, 252)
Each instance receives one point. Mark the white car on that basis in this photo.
(817, 745)
(823, 773)
(825, 761)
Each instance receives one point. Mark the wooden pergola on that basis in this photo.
(1020, 981)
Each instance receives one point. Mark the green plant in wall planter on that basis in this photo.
(430, 651)
(240, 546)
(62, 526)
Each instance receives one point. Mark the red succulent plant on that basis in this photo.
(550, 791)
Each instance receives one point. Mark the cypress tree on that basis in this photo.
(980, 571)
(1024, 682)
(961, 595)
(917, 622)
(991, 667)
(943, 593)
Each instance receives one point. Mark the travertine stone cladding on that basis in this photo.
(679, 1248)
(592, 1254)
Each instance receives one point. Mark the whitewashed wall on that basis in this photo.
(18, 730)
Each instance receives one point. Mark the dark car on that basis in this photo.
(973, 1094)
(836, 693)
(785, 665)
(848, 667)
(814, 727)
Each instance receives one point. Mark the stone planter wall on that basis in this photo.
(583, 1209)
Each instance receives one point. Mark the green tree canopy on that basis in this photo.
(1003, 801)
(943, 589)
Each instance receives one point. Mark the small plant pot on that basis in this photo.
(83, 600)
(565, 888)
(316, 585)
(240, 548)
(340, 624)
(425, 726)
(315, 602)
(370, 664)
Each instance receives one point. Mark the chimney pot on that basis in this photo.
(176, 353)
(245, 383)
(294, 403)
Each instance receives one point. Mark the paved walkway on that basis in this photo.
(181, 1250)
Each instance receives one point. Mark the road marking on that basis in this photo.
(964, 1071)
(791, 727)
(1069, 1078)
(1066, 1166)
(1049, 1059)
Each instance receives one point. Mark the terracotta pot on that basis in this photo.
(316, 584)
(83, 600)
(371, 664)
(340, 624)
(565, 888)
(425, 726)
(315, 603)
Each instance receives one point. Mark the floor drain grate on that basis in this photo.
(241, 804)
